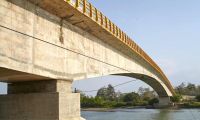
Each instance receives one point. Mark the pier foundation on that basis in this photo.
(164, 102)
(40, 100)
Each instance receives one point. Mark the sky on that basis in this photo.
(168, 30)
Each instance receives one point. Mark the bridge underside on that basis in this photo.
(9, 76)
(158, 86)
(13, 76)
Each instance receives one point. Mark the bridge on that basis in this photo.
(45, 45)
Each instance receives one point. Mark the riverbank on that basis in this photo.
(111, 109)
(189, 105)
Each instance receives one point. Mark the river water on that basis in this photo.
(143, 114)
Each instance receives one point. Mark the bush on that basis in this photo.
(119, 104)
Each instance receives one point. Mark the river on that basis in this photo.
(143, 114)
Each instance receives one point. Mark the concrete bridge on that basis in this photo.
(45, 45)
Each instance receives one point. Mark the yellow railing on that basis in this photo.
(86, 8)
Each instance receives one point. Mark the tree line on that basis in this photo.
(107, 97)
(188, 89)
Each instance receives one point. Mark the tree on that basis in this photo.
(131, 97)
(181, 88)
(189, 89)
(146, 94)
(176, 98)
(111, 93)
(107, 93)
(198, 98)
(191, 86)
(198, 88)
(153, 101)
(102, 92)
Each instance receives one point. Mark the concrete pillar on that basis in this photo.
(164, 102)
(40, 100)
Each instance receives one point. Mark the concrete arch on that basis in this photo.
(159, 86)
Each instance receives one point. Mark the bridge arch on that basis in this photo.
(160, 88)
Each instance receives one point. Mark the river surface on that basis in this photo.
(143, 114)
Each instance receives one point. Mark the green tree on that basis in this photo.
(181, 88)
(198, 98)
(146, 94)
(131, 97)
(198, 88)
(107, 93)
(191, 86)
(111, 93)
(102, 93)
(176, 98)
(153, 101)
(189, 89)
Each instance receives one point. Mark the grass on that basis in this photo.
(192, 105)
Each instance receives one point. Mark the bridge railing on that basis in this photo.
(89, 10)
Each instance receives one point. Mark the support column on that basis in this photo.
(164, 102)
(40, 100)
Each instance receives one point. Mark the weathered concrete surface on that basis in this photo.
(164, 101)
(40, 52)
(49, 100)
(46, 86)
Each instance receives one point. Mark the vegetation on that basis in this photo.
(107, 98)
(189, 89)
(153, 101)
(192, 105)
(107, 94)
(177, 98)
(198, 98)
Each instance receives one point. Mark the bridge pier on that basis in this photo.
(164, 102)
(40, 100)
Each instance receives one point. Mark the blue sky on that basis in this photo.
(168, 30)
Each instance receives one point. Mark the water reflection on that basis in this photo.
(144, 114)
(162, 115)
